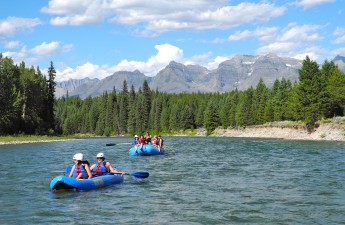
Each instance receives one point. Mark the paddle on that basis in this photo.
(138, 174)
(112, 144)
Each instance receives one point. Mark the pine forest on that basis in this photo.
(28, 105)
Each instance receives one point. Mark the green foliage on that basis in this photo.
(311, 91)
(212, 118)
(24, 98)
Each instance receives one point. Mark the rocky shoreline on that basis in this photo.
(323, 132)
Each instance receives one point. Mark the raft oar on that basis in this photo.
(112, 144)
(137, 174)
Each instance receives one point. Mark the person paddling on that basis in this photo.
(102, 167)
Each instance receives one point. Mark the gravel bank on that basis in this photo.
(324, 132)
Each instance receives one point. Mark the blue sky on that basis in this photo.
(95, 38)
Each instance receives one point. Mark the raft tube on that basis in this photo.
(146, 150)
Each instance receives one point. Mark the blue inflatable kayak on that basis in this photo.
(65, 182)
(146, 150)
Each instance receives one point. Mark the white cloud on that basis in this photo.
(206, 60)
(211, 65)
(45, 49)
(166, 54)
(294, 40)
(280, 48)
(340, 34)
(314, 53)
(311, 3)
(32, 56)
(240, 35)
(87, 70)
(295, 33)
(339, 40)
(339, 31)
(11, 25)
(159, 16)
(264, 34)
(339, 51)
(12, 44)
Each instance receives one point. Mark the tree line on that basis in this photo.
(26, 99)
(319, 93)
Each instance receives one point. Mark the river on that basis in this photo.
(200, 180)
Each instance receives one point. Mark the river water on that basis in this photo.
(212, 180)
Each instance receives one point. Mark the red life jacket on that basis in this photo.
(100, 169)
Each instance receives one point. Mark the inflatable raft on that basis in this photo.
(65, 182)
(146, 150)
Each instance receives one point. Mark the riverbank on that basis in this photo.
(325, 131)
(26, 139)
(330, 130)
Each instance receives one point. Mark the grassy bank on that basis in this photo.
(33, 138)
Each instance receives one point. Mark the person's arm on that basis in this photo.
(87, 168)
(79, 177)
(112, 170)
(72, 170)
(93, 166)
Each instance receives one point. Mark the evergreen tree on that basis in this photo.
(50, 97)
(123, 116)
(211, 117)
(115, 111)
(294, 106)
(157, 114)
(259, 102)
(34, 95)
(201, 107)
(131, 112)
(10, 97)
(334, 101)
(310, 92)
(232, 111)
(146, 105)
(175, 117)
(224, 110)
(244, 111)
(187, 117)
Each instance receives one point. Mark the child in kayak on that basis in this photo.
(102, 167)
(80, 170)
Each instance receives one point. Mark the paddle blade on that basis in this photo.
(110, 144)
(140, 174)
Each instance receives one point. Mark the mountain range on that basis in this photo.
(241, 72)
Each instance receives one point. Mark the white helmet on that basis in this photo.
(78, 156)
(100, 155)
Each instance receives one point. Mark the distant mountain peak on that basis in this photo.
(271, 55)
(240, 72)
(339, 58)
